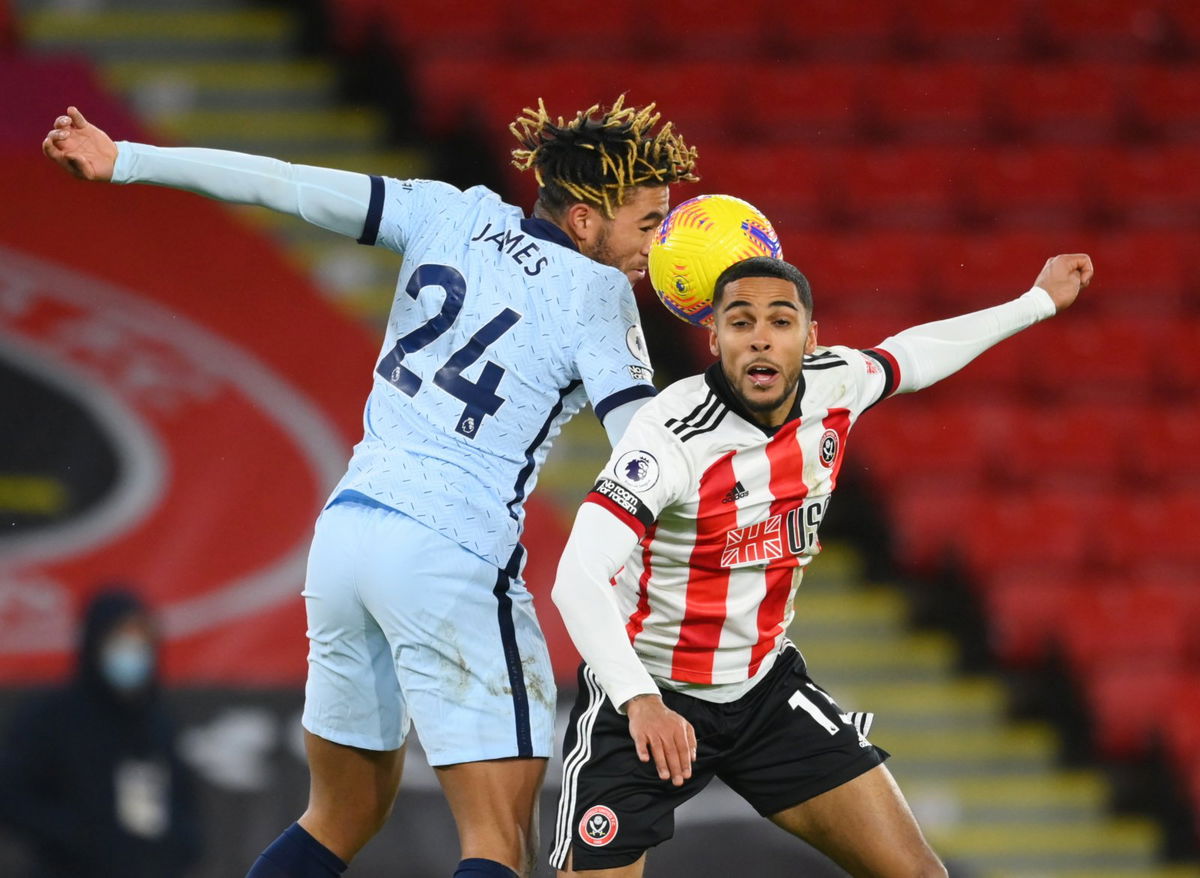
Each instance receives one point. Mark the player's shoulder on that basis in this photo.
(826, 357)
(438, 194)
(677, 403)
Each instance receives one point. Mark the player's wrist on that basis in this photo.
(640, 701)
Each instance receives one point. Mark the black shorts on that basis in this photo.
(782, 743)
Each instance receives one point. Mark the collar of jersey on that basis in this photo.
(547, 231)
(714, 377)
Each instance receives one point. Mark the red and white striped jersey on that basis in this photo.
(727, 512)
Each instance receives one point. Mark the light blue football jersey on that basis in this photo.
(500, 331)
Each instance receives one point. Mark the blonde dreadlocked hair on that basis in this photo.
(599, 154)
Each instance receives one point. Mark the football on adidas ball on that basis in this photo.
(698, 240)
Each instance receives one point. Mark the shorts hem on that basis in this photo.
(870, 759)
(601, 861)
(352, 739)
(442, 758)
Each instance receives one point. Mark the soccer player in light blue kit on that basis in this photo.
(502, 328)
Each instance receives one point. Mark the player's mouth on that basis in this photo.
(762, 375)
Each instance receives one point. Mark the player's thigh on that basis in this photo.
(352, 696)
(469, 653)
(613, 807)
(792, 741)
(866, 827)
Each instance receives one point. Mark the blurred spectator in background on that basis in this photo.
(89, 776)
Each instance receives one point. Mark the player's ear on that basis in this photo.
(582, 222)
(713, 347)
(810, 344)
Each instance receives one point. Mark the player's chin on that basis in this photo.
(760, 399)
(635, 275)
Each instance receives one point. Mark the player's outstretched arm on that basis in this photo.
(932, 351)
(334, 200)
(80, 147)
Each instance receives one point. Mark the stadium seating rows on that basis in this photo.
(942, 102)
(917, 165)
(1002, 29)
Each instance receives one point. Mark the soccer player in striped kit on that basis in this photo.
(503, 327)
(704, 520)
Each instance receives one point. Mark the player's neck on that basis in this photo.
(540, 212)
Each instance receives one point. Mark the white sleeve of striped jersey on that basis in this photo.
(932, 351)
(617, 420)
(598, 546)
(333, 200)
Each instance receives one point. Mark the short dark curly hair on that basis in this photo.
(765, 266)
(599, 154)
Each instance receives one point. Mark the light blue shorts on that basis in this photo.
(407, 627)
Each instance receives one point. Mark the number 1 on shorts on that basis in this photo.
(799, 699)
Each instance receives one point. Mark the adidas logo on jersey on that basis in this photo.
(737, 492)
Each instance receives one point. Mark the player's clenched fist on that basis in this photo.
(1064, 276)
(80, 147)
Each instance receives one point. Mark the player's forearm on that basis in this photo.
(597, 548)
(932, 351)
(334, 200)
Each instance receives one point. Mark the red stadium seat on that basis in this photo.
(873, 272)
(1093, 356)
(1177, 366)
(1025, 606)
(971, 29)
(925, 512)
(1122, 625)
(1180, 731)
(1112, 30)
(466, 27)
(787, 183)
(1164, 525)
(1156, 186)
(909, 188)
(1183, 17)
(990, 268)
(1145, 273)
(1009, 527)
(1068, 444)
(700, 97)
(906, 442)
(833, 29)
(805, 103)
(1166, 440)
(1069, 103)
(1129, 704)
(1014, 187)
(1167, 100)
(561, 29)
(934, 102)
(706, 29)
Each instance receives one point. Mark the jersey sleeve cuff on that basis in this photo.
(891, 370)
(370, 233)
(629, 394)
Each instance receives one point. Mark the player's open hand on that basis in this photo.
(1064, 276)
(80, 147)
(661, 733)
